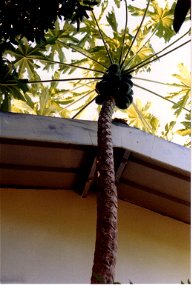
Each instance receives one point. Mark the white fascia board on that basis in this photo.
(47, 129)
(153, 147)
(81, 132)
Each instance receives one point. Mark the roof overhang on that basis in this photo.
(46, 152)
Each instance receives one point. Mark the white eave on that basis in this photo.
(45, 152)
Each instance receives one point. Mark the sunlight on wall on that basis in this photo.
(48, 236)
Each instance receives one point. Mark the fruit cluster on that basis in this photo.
(117, 85)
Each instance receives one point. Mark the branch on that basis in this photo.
(126, 21)
(83, 108)
(158, 95)
(108, 52)
(144, 15)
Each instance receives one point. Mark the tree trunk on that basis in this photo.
(107, 204)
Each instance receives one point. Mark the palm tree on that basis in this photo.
(107, 203)
(114, 89)
(116, 58)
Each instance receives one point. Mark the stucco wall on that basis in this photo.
(48, 236)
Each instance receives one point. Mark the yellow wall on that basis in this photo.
(48, 236)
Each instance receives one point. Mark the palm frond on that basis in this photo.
(137, 32)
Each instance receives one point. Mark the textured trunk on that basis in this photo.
(107, 204)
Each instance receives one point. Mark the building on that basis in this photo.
(48, 207)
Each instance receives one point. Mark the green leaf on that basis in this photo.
(184, 132)
(25, 57)
(163, 18)
(19, 106)
(10, 85)
(179, 106)
(103, 6)
(184, 75)
(160, 18)
(56, 40)
(118, 3)
(112, 20)
(5, 102)
(139, 117)
(168, 133)
(183, 90)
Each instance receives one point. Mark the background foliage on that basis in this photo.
(62, 53)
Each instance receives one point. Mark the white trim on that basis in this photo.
(81, 132)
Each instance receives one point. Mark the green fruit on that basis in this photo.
(112, 78)
(126, 76)
(114, 68)
(103, 87)
(125, 88)
(120, 104)
(99, 100)
(124, 80)
(130, 97)
(123, 102)
(98, 87)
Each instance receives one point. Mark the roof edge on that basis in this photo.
(82, 132)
